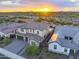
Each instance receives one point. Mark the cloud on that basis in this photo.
(59, 4)
(9, 3)
(71, 9)
(74, 0)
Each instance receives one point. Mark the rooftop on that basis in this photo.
(70, 31)
(10, 27)
(36, 25)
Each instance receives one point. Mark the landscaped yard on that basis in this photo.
(4, 41)
(33, 52)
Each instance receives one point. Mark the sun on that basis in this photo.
(44, 10)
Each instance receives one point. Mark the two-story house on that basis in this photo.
(33, 32)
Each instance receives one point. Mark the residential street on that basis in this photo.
(16, 46)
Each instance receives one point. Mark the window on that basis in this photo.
(33, 43)
(33, 30)
(66, 37)
(30, 30)
(65, 50)
(37, 32)
(22, 30)
(55, 46)
(70, 38)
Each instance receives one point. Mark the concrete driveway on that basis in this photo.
(16, 46)
(63, 57)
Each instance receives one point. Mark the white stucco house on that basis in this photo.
(33, 32)
(30, 32)
(65, 40)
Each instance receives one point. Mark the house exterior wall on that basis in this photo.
(2, 34)
(33, 31)
(59, 49)
(6, 35)
(33, 41)
(19, 30)
(76, 38)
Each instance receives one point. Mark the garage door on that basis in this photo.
(26, 39)
(12, 36)
(20, 37)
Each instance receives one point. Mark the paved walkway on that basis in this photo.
(16, 46)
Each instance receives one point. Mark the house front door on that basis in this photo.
(20, 37)
(26, 39)
(12, 36)
(71, 52)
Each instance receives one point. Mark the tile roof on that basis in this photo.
(36, 25)
(10, 27)
(70, 31)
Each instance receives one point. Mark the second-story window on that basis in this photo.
(68, 38)
(22, 30)
(37, 32)
(33, 30)
(30, 30)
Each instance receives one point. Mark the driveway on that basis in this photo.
(63, 57)
(16, 46)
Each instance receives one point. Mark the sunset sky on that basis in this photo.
(38, 5)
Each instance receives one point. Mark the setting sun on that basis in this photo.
(40, 9)
(44, 10)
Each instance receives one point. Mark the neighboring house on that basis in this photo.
(65, 40)
(8, 28)
(31, 32)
